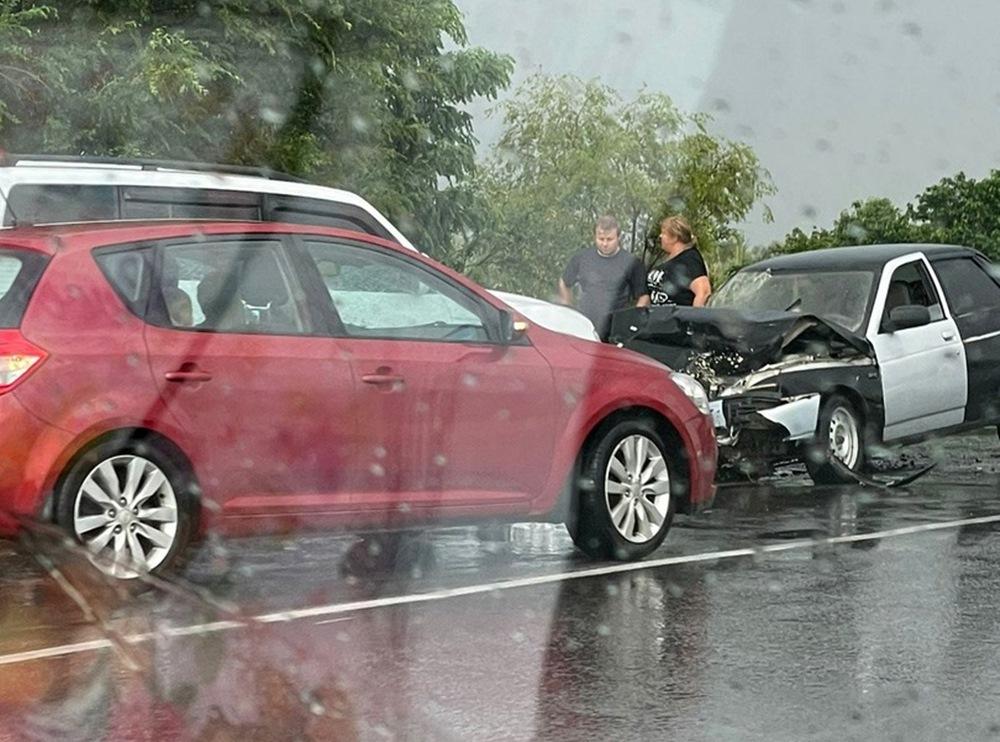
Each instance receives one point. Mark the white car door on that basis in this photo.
(924, 379)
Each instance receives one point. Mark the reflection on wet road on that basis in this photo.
(788, 612)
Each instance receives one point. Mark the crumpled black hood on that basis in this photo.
(735, 342)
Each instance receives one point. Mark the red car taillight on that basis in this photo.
(18, 358)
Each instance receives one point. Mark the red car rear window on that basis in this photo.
(19, 273)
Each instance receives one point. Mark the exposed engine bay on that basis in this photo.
(765, 372)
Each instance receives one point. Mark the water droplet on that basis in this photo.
(411, 81)
(377, 470)
(440, 460)
(603, 630)
(380, 452)
(470, 380)
(272, 116)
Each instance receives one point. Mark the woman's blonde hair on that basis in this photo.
(679, 227)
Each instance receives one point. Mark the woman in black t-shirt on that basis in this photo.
(681, 277)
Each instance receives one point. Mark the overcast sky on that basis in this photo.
(841, 99)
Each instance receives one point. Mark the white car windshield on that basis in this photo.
(840, 296)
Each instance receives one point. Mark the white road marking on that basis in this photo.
(333, 620)
(512, 584)
(57, 651)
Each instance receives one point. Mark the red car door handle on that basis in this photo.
(382, 378)
(188, 376)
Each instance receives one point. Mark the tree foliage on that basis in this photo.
(362, 94)
(957, 210)
(572, 151)
(870, 222)
(961, 210)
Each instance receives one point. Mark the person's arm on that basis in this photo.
(637, 279)
(565, 293)
(568, 280)
(701, 287)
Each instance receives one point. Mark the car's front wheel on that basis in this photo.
(839, 438)
(130, 506)
(627, 498)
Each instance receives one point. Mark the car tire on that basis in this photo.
(130, 506)
(840, 435)
(618, 517)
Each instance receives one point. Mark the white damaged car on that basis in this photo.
(823, 355)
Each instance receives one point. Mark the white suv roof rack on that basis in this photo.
(15, 160)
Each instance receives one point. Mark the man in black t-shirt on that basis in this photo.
(609, 278)
(682, 278)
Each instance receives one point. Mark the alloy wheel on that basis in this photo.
(126, 514)
(637, 489)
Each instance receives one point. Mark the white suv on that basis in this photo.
(47, 189)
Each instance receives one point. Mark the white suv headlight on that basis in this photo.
(694, 391)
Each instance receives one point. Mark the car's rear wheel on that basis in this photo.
(839, 438)
(130, 506)
(627, 498)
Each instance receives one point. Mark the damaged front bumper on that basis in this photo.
(759, 429)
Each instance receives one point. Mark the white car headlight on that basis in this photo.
(694, 391)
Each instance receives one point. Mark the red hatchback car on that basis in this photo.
(164, 378)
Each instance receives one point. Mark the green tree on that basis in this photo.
(573, 150)
(876, 220)
(364, 95)
(957, 210)
(715, 184)
(962, 211)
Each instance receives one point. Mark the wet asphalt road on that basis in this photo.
(787, 612)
